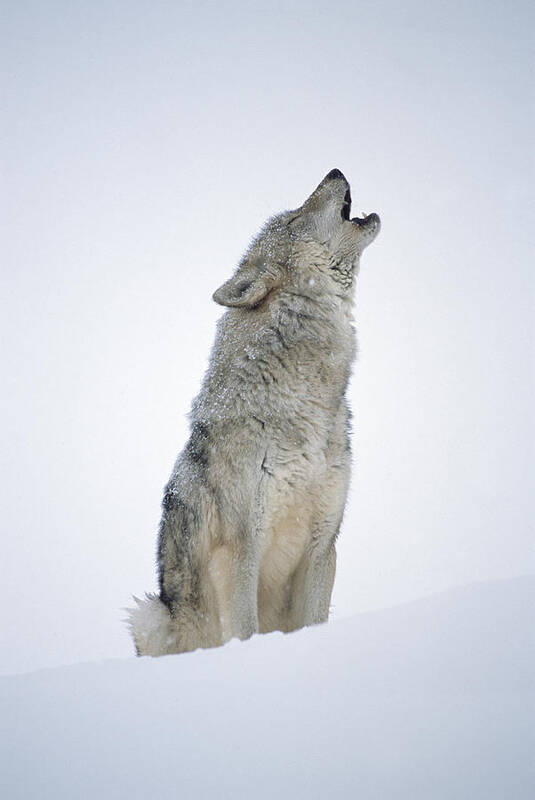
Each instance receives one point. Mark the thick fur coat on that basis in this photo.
(254, 504)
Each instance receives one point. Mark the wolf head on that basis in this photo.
(310, 251)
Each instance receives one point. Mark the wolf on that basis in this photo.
(252, 511)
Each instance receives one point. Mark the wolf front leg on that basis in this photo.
(244, 594)
(313, 584)
(314, 578)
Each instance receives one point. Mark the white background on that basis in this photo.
(144, 145)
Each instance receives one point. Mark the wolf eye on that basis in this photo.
(241, 288)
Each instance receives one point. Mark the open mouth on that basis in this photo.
(367, 219)
(346, 208)
(346, 211)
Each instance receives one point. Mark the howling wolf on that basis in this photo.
(253, 507)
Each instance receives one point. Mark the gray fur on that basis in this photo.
(254, 504)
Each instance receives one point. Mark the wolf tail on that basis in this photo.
(152, 627)
(156, 633)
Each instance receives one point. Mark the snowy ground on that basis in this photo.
(433, 699)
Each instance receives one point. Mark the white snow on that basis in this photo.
(433, 699)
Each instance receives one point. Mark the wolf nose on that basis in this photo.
(334, 174)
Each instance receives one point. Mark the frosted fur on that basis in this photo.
(254, 504)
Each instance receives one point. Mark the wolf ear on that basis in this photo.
(244, 290)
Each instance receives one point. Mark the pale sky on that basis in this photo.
(144, 144)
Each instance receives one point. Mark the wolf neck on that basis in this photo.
(292, 348)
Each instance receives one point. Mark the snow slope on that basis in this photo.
(433, 699)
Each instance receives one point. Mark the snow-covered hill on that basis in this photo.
(433, 699)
